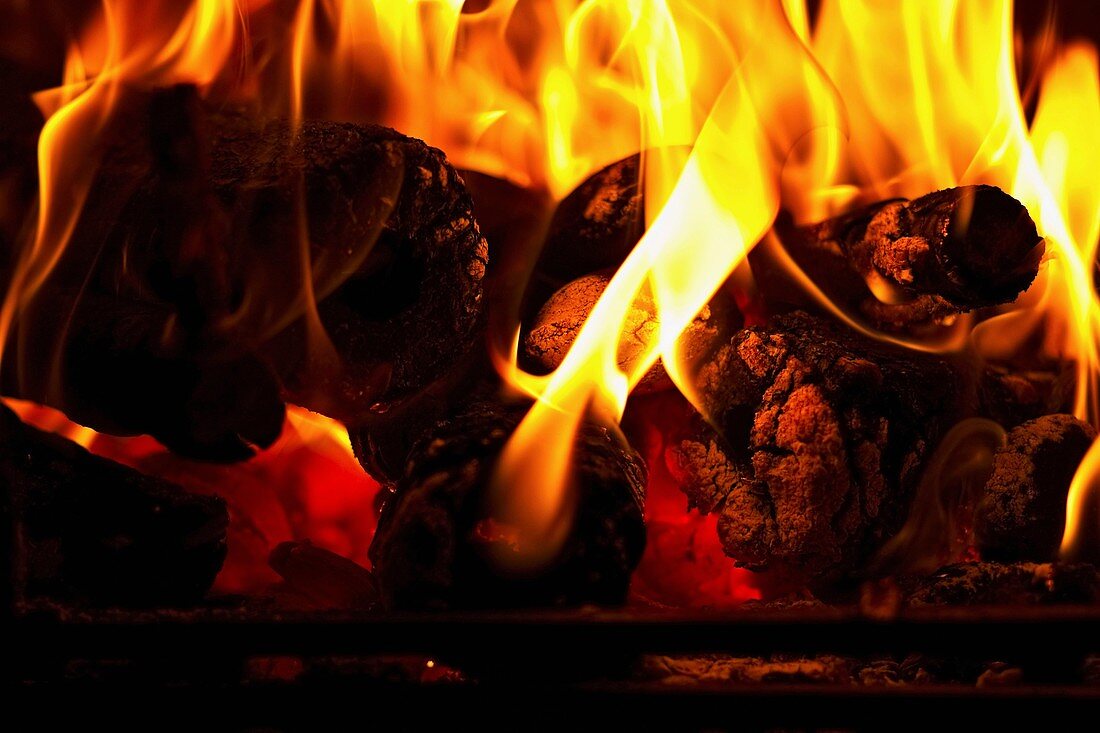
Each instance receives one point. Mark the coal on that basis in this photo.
(987, 583)
(346, 256)
(913, 262)
(436, 535)
(83, 527)
(106, 362)
(321, 579)
(1022, 512)
(902, 263)
(821, 437)
(557, 324)
(596, 226)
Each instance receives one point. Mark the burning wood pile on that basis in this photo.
(846, 380)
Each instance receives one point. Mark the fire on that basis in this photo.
(739, 112)
(308, 485)
(939, 107)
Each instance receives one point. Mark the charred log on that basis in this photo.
(373, 227)
(984, 583)
(1012, 397)
(382, 440)
(822, 437)
(905, 263)
(322, 579)
(559, 321)
(108, 364)
(595, 227)
(85, 527)
(1022, 512)
(901, 262)
(436, 535)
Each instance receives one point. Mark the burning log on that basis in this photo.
(901, 262)
(822, 438)
(556, 327)
(373, 227)
(596, 226)
(1022, 512)
(912, 262)
(385, 208)
(436, 535)
(111, 368)
(84, 526)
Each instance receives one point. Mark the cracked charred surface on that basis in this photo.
(912, 263)
(1022, 512)
(396, 258)
(822, 435)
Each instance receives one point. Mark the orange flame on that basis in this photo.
(870, 101)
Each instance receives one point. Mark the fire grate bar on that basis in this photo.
(994, 632)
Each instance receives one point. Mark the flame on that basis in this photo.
(711, 209)
(740, 109)
(938, 107)
(308, 485)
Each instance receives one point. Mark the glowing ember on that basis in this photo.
(308, 485)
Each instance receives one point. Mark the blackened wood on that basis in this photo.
(238, 225)
(913, 262)
(1014, 396)
(596, 226)
(88, 528)
(551, 333)
(397, 258)
(112, 364)
(1022, 511)
(383, 439)
(318, 578)
(436, 535)
(822, 436)
(1005, 584)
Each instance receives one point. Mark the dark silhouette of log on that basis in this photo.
(88, 528)
(106, 362)
(238, 226)
(596, 226)
(436, 535)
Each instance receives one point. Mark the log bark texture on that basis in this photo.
(913, 262)
(902, 263)
(821, 438)
(346, 256)
(1022, 512)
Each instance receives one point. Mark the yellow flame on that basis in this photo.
(191, 47)
(874, 100)
(714, 207)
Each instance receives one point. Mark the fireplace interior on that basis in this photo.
(543, 363)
